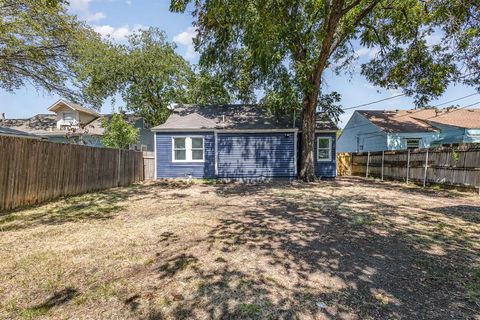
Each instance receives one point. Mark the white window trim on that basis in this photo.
(188, 148)
(329, 149)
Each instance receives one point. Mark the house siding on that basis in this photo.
(166, 168)
(398, 141)
(361, 135)
(327, 169)
(256, 155)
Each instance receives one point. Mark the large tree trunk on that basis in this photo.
(307, 160)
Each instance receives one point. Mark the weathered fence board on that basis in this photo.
(149, 165)
(456, 166)
(34, 171)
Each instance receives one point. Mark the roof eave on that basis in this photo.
(222, 130)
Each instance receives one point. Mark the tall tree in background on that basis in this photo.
(283, 47)
(37, 44)
(146, 72)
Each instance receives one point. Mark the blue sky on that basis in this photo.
(118, 18)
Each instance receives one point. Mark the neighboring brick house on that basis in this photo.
(73, 123)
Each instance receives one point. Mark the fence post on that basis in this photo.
(408, 164)
(426, 168)
(351, 164)
(368, 163)
(118, 168)
(383, 161)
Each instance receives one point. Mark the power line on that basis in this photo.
(403, 94)
(441, 104)
(420, 110)
(373, 102)
(407, 114)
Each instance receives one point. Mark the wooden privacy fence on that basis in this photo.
(458, 166)
(33, 171)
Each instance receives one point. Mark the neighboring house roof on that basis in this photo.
(60, 103)
(46, 125)
(463, 118)
(422, 120)
(233, 117)
(16, 133)
(396, 121)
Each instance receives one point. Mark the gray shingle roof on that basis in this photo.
(46, 125)
(233, 117)
(12, 132)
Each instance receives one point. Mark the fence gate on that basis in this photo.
(149, 165)
(344, 164)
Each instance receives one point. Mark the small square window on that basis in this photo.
(180, 155)
(68, 116)
(324, 149)
(413, 143)
(197, 143)
(179, 143)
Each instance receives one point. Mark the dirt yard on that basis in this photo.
(344, 249)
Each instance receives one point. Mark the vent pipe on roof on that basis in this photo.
(172, 106)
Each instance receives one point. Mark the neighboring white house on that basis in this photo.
(71, 115)
(377, 130)
(73, 123)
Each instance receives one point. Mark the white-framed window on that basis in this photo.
(188, 149)
(324, 149)
(68, 116)
(413, 143)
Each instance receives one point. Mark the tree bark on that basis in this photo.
(307, 169)
(307, 158)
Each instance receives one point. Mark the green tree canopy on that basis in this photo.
(118, 132)
(147, 73)
(37, 44)
(283, 47)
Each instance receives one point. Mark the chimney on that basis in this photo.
(2, 116)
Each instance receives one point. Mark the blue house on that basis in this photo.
(237, 142)
(376, 130)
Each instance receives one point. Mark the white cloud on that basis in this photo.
(117, 34)
(185, 38)
(367, 52)
(82, 9)
(80, 5)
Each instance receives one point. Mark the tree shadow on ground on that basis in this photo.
(57, 299)
(101, 205)
(466, 212)
(318, 255)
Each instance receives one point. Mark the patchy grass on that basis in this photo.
(348, 249)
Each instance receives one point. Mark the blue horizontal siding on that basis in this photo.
(327, 169)
(256, 155)
(168, 169)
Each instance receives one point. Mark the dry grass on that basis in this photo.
(349, 249)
